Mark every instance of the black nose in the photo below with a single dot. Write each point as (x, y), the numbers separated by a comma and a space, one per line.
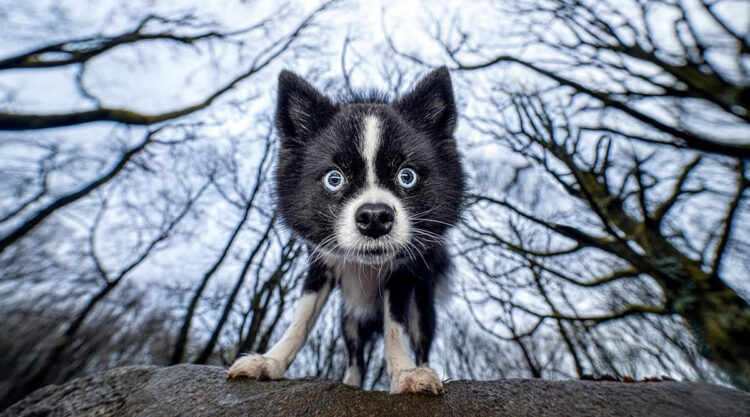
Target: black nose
(374, 220)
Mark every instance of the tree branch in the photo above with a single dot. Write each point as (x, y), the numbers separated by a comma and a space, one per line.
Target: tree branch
(63, 201)
(726, 230)
(12, 121)
(689, 139)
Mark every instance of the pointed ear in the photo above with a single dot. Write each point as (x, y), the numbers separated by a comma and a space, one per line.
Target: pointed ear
(300, 109)
(431, 105)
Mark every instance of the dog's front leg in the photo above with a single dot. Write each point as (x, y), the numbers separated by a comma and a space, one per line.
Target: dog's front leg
(405, 376)
(274, 363)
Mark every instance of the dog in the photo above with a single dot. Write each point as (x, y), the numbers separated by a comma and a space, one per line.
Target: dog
(372, 186)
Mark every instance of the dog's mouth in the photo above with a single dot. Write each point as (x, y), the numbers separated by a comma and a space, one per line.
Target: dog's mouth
(373, 252)
(376, 256)
(373, 255)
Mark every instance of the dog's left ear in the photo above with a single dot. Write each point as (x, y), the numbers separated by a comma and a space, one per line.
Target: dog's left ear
(431, 106)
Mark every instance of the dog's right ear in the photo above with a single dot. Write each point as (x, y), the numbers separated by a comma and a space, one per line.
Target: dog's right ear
(300, 109)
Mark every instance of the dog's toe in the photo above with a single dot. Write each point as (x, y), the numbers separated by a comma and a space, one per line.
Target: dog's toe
(256, 366)
(421, 380)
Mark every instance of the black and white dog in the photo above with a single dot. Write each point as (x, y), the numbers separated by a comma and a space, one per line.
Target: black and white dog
(372, 186)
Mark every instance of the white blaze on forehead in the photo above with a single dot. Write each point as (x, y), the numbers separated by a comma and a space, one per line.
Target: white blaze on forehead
(369, 146)
(348, 236)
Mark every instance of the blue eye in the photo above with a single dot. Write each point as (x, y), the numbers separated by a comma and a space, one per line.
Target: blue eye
(407, 178)
(333, 180)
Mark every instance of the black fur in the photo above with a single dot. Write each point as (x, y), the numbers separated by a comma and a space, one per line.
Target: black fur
(318, 135)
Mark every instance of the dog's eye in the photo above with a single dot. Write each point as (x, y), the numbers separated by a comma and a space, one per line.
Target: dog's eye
(407, 178)
(333, 180)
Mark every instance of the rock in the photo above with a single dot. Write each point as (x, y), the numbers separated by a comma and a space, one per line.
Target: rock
(191, 390)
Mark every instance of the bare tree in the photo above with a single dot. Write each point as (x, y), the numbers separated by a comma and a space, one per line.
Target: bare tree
(78, 52)
(90, 210)
(247, 205)
(672, 81)
(636, 102)
(633, 226)
(39, 369)
(120, 333)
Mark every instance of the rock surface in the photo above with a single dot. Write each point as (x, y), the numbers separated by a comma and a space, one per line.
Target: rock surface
(190, 390)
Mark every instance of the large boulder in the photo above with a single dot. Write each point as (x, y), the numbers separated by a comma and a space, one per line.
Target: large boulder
(191, 390)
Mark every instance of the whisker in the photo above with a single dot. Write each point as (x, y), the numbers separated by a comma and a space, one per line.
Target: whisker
(435, 221)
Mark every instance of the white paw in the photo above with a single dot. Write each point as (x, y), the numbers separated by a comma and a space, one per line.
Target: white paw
(421, 380)
(353, 377)
(256, 367)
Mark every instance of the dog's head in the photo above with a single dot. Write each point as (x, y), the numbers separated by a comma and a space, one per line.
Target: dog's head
(367, 180)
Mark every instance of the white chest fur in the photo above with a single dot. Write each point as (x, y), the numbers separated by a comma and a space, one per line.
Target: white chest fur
(361, 287)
